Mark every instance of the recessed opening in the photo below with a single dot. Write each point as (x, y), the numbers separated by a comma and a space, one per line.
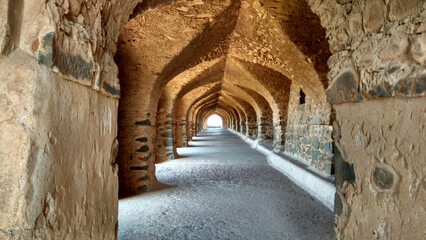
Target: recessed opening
(214, 121)
(302, 97)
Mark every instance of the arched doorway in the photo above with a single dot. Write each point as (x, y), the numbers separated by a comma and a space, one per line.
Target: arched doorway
(214, 121)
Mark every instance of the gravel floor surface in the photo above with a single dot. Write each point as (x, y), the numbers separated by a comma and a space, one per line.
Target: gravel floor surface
(222, 189)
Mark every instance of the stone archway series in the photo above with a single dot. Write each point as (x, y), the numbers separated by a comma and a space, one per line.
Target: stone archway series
(95, 92)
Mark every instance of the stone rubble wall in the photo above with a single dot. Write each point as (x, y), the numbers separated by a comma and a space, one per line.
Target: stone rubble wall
(309, 132)
(251, 127)
(265, 129)
(378, 48)
(379, 52)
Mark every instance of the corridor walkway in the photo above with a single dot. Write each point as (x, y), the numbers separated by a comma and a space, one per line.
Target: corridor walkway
(222, 189)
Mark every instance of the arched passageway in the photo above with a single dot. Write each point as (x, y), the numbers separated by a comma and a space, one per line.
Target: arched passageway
(222, 189)
(95, 93)
(214, 121)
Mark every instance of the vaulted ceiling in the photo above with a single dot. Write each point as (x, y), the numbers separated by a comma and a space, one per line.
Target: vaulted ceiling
(222, 54)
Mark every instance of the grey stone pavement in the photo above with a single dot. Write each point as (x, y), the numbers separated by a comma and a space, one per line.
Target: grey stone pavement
(222, 189)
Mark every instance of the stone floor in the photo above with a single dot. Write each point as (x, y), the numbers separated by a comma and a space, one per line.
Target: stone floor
(222, 189)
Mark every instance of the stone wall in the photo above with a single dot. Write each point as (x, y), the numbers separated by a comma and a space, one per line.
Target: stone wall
(379, 52)
(251, 127)
(378, 48)
(59, 118)
(265, 129)
(381, 185)
(60, 94)
(59, 179)
(308, 133)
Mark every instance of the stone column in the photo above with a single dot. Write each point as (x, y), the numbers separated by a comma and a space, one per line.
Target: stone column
(58, 147)
(243, 126)
(164, 137)
(135, 152)
(279, 134)
(261, 128)
(251, 127)
(180, 134)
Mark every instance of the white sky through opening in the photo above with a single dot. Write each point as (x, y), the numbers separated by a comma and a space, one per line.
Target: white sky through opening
(214, 121)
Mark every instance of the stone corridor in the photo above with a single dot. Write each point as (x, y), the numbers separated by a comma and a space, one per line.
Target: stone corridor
(220, 188)
(99, 100)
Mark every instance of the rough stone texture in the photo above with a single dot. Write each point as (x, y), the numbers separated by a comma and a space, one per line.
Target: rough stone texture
(135, 153)
(10, 25)
(16, 103)
(374, 15)
(377, 53)
(61, 185)
(388, 161)
(309, 131)
(388, 58)
(84, 36)
(344, 87)
(399, 9)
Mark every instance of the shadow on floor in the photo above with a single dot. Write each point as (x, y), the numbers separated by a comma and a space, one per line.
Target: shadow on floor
(156, 187)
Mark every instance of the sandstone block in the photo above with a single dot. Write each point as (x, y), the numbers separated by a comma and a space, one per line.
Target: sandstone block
(418, 49)
(393, 48)
(374, 15)
(355, 24)
(400, 9)
(5, 38)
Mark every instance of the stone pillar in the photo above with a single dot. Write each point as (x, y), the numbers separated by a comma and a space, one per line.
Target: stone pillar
(58, 146)
(265, 129)
(164, 137)
(193, 129)
(199, 127)
(379, 159)
(251, 127)
(261, 128)
(184, 134)
(243, 126)
(188, 131)
(379, 138)
(279, 134)
(180, 133)
(135, 152)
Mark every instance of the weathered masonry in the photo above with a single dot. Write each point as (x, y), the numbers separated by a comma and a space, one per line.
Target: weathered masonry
(94, 93)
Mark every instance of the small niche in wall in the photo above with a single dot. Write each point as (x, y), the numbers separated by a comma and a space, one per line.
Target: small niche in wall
(302, 97)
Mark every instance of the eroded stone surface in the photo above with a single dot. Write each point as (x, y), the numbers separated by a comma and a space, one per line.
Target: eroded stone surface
(59, 180)
(382, 185)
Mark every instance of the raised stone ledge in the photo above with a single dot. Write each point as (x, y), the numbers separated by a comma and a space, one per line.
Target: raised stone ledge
(311, 180)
